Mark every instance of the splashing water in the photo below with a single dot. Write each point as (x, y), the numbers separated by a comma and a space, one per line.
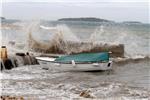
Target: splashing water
(134, 37)
(99, 31)
(135, 44)
(50, 37)
(64, 41)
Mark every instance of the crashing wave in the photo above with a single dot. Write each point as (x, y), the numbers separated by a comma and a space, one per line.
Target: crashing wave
(67, 43)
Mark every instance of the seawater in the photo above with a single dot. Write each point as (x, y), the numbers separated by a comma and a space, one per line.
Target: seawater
(126, 81)
(135, 37)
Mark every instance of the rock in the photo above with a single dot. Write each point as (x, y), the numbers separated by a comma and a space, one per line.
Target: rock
(19, 59)
(86, 94)
(8, 64)
(45, 68)
(12, 98)
(20, 54)
(26, 59)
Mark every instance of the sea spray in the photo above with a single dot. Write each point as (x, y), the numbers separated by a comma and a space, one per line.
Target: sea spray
(56, 34)
(136, 43)
(98, 31)
(57, 40)
(64, 41)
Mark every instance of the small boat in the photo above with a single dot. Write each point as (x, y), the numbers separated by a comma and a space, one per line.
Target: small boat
(77, 62)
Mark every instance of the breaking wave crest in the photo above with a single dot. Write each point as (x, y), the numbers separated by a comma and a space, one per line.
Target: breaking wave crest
(61, 38)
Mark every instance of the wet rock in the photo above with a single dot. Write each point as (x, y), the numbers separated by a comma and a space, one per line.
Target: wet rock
(26, 59)
(45, 68)
(11, 98)
(86, 94)
(19, 59)
(20, 54)
(6, 64)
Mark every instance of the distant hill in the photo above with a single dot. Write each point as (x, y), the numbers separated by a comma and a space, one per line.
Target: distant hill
(8, 21)
(131, 22)
(2, 18)
(90, 19)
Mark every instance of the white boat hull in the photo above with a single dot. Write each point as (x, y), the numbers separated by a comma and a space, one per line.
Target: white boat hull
(49, 63)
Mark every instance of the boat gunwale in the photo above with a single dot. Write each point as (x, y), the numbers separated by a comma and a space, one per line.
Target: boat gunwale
(75, 62)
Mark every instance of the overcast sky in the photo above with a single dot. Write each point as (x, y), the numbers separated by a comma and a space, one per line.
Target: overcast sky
(117, 10)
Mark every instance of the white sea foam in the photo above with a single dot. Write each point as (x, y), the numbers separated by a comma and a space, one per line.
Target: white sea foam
(33, 81)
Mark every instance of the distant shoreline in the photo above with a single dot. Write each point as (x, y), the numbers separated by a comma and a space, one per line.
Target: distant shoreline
(84, 19)
(89, 19)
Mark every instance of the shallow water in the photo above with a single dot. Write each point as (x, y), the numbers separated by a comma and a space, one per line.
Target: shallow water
(126, 81)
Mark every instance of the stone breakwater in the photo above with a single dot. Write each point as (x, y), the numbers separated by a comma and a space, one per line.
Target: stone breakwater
(19, 59)
(60, 46)
(82, 47)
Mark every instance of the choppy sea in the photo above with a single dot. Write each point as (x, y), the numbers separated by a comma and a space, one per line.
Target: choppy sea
(129, 80)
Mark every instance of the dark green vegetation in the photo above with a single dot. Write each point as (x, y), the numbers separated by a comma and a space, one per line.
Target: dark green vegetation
(90, 19)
